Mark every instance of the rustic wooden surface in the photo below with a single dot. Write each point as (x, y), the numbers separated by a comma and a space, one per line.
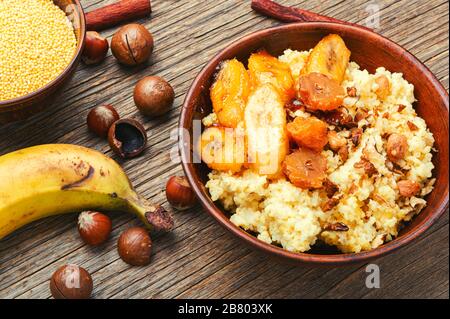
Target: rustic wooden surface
(199, 259)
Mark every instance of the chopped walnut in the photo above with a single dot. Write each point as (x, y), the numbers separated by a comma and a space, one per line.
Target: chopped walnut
(351, 91)
(356, 136)
(368, 167)
(330, 188)
(412, 126)
(379, 199)
(335, 227)
(408, 188)
(366, 210)
(343, 153)
(353, 188)
(361, 115)
(335, 141)
(339, 117)
(395, 168)
(329, 204)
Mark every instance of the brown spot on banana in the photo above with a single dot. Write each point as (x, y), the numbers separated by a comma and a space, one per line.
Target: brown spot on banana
(79, 182)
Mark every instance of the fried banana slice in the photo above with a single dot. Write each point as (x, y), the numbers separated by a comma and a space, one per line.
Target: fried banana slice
(222, 149)
(265, 127)
(329, 57)
(230, 92)
(264, 68)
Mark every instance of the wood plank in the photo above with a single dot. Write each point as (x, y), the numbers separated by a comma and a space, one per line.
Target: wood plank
(200, 259)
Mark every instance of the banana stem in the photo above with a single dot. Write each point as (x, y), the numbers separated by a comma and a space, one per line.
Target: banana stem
(153, 216)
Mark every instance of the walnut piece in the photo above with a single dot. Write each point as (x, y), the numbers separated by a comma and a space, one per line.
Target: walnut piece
(408, 188)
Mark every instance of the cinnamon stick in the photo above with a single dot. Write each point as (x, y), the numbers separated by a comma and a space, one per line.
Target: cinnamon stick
(117, 13)
(290, 14)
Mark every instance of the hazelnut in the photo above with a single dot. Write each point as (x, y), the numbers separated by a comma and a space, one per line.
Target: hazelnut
(135, 246)
(179, 193)
(127, 138)
(396, 147)
(95, 48)
(335, 141)
(71, 282)
(94, 227)
(153, 96)
(100, 119)
(132, 44)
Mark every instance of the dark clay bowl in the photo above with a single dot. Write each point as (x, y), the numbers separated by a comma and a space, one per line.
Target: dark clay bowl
(25, 106)
(370, 51)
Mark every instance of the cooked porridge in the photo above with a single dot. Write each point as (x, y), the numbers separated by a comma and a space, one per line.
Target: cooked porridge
(308, 148)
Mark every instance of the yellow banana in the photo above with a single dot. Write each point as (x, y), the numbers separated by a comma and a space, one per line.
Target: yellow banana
(53, 179)
(265, 125)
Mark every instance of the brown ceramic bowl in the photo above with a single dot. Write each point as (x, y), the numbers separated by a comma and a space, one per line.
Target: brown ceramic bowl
(25, 106)
(370, 51)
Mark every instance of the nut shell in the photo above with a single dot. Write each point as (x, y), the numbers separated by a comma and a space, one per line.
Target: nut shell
(179, 193)
(153, 96)
(135, 246)
(95, 48)
(127, 138)
(100, 119)
(94, 227)
(132, 44)
(71, 282)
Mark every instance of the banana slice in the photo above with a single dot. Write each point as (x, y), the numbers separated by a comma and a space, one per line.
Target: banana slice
(265, 125)
(222, 149)
(264, 68)
(230, 92)
(330, 57)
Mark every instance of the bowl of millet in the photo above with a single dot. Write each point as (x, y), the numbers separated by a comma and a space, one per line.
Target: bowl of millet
(40, 47)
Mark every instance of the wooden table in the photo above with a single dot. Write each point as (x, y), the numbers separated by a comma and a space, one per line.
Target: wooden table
(200, 259)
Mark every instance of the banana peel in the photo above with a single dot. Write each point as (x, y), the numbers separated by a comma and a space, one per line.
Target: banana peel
(53, 179)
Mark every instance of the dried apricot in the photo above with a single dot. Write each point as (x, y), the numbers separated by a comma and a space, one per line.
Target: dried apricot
(230, 92)
(329, 57)
(319, 92)
(305, 168)
(264, 68)
(308, 132)
(222, 149)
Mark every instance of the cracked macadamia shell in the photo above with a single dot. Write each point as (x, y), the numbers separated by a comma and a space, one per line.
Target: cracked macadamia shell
(132, 44)
(127, 138)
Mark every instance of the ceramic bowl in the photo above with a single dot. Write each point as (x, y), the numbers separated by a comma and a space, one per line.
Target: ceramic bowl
(369, 50)
(25, 106)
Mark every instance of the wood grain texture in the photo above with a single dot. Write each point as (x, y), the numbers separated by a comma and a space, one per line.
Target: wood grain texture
(199, 259)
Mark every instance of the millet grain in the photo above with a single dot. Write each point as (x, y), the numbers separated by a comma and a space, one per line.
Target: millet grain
(37, 42)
